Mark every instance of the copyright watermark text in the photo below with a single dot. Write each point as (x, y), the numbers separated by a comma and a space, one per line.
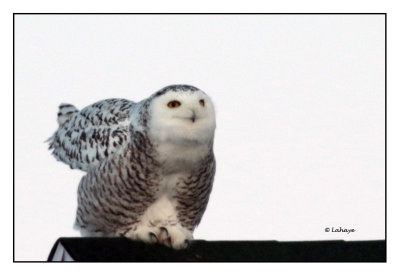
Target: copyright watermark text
(339, 230)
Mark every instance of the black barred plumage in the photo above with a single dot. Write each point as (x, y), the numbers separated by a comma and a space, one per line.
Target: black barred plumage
(121, 192)
(84, 139)
(149, 168)
(193, 193)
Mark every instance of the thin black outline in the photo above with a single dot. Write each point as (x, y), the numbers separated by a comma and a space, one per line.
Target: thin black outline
(14, 138)
(14, 14)
(386, 131)
(201, 13)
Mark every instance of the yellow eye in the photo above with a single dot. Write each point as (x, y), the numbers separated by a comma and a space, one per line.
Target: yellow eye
(202, 103)
(173, 104)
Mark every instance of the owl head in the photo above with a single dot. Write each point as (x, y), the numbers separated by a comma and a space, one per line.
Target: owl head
(181, 114)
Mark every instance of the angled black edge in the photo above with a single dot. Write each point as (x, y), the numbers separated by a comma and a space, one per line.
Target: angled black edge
(124, 250)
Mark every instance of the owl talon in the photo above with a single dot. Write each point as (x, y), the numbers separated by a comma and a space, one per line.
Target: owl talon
(169, 242)
(153, 237)
(165, 238)
(174, 236)
(186, 243)
(164, 232)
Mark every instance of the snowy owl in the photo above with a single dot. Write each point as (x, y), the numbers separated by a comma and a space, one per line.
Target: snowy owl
(149, 165)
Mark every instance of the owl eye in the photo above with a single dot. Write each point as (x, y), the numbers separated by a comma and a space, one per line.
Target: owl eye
(202, 103)
(173, 104)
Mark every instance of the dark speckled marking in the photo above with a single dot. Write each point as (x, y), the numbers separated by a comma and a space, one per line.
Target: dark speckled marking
(176, 88)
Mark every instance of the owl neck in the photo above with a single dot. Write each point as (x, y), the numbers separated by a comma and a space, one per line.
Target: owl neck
(175, 158)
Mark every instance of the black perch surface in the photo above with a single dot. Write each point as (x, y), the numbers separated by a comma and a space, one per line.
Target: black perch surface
(124, 250)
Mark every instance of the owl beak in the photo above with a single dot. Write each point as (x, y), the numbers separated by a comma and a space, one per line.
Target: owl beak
(193, 118)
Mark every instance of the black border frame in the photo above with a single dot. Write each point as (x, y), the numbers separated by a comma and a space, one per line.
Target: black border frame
(14, 15)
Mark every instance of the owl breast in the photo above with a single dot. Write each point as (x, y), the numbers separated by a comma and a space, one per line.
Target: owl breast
(169, 185)
(177, 164)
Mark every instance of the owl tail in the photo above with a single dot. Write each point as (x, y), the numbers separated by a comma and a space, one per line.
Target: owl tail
(65, 112)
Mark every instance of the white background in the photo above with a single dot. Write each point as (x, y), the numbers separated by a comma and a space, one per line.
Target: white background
(300, 116)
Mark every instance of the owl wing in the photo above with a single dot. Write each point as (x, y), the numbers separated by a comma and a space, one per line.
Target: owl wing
(193, 196)
(87, 137)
